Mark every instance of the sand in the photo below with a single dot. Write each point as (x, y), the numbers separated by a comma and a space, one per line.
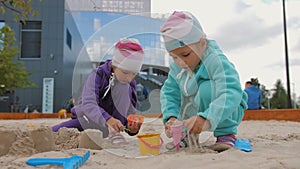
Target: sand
(275, 144)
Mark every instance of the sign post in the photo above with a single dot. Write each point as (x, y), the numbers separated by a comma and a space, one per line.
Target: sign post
(48, 95)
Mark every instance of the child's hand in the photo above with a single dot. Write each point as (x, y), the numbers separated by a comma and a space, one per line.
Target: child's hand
(115, 124)
(167, 126)
(196, 124)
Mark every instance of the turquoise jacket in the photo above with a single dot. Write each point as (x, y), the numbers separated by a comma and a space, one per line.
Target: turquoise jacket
(181, 93)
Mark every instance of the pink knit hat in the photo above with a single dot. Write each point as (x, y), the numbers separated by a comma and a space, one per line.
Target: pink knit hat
(128, 55)
(181, 29)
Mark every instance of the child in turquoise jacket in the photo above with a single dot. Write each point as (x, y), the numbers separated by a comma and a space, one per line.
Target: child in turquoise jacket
(203, 88)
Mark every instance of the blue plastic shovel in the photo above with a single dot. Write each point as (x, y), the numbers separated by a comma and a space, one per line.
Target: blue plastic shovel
(73, 162)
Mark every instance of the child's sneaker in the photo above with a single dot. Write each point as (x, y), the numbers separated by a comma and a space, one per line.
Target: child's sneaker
(224, 143)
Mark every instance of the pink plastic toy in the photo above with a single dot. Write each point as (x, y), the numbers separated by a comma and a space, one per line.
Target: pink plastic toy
(176, 130)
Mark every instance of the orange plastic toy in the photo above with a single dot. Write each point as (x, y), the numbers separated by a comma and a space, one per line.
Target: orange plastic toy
(135, 119)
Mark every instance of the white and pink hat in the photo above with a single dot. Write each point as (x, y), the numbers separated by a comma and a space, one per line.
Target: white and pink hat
(128, 55)
(181, 29)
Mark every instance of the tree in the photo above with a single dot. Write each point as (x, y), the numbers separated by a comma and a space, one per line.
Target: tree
(13, 74)
(279, 100)
(255, 82)
(20, 8)
(265, 94)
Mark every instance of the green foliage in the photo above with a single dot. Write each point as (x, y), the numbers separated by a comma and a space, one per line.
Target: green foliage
(264, 93)
(255, 82)
(13, 74)
(278, 95)
(21, 9)
(279, 99)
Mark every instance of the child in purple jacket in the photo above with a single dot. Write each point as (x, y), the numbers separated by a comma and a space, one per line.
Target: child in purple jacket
(109, 94)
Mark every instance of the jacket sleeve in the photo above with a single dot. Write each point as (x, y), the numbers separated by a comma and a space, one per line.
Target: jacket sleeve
(227, 95)
(170, 97)
(133, 98)
(90, 98)
(132, 107)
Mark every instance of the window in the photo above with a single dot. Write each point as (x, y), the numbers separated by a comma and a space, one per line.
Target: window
(69, 39)
(31, 33)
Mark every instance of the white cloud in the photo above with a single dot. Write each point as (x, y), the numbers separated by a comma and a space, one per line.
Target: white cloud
(247, 32)
(292, 62)
(297, 46)
(251, 34)
(241, 6)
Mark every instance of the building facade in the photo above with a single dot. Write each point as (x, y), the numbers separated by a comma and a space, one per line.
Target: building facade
(69, 38)
(139, 7)
(49, 46)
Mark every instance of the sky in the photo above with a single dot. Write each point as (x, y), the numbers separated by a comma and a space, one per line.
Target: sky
(250, 32)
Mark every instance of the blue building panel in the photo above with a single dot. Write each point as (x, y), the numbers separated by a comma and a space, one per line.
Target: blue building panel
(72, 44)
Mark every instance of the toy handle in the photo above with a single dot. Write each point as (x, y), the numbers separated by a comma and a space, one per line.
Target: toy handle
(151, 146)
(45, 161)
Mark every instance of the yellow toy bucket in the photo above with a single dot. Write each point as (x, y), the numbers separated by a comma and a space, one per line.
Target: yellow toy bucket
(149, 144)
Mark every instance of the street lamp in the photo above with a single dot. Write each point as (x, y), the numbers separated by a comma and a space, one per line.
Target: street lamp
(289, 102)
(269, 97)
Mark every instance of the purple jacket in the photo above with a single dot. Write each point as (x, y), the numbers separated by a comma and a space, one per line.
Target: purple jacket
(99, 108)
